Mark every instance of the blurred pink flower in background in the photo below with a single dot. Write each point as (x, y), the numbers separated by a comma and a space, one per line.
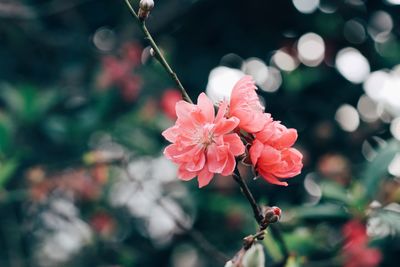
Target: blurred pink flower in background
(130, 87)
(203, 144)
(272, 155)
(103, 223)
(355, 250)
(119, 71)
(132, 52)
(113, 71)
(168, 102)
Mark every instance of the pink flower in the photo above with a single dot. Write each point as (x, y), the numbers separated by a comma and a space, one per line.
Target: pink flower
(272, 155)
(355, 250)
(130, 87)
(168, 102)
(202, 143)
(245, 105)
(133, 53)
(114, 69)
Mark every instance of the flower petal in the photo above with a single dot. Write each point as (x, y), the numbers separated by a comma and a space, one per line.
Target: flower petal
(245, 85)
(236, 146)
(185, 175)
(197, 162)
(207, 107)
(225, 126)
(222, 109)
(204, 177)
(271, 179)
(216, 158)
(230, 165)
(287, 139)
(171, 133)
(255, 151)
(183, 110)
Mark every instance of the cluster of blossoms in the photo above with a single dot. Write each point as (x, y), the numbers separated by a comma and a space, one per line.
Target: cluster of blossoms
(205, 143)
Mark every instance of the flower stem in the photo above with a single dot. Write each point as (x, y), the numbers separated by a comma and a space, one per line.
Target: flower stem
(158, 55)
(247, 193)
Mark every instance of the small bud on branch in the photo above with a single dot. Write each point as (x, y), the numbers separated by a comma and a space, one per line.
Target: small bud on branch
(152, 53)
(145, 6)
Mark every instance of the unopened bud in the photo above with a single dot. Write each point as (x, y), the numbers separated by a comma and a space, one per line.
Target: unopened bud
(145, 6)
(271, 215)
(277, 211)
(152, 52)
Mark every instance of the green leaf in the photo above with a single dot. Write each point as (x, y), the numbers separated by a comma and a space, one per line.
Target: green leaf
(6, 132)
(300, 241)
(320, 212)
(293, 261)
(377, 169)
(7, 169)
(334, 191)
(28, 103)
(272, 248)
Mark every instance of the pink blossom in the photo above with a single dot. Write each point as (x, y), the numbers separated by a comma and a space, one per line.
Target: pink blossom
(203, 144)
(133, 53)
(272, 155)
(130, 87)
(356, 251)
(245, 105)
(116, 68)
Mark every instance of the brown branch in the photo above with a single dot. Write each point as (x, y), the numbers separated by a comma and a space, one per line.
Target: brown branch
(247, 193)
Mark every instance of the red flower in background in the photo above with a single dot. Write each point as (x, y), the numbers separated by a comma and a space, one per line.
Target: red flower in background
(103, 223)
(168, 102)
(119, 72)
(355, 250)
(132, 52)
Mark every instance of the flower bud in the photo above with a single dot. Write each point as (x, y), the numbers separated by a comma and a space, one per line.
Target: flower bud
(277, 211)
(145, 6)
(152, 52)
(271, 215)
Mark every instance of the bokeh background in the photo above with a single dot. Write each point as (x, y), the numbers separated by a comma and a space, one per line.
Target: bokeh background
(82, 104)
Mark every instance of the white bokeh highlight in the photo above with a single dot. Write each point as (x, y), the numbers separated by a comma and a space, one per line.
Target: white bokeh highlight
(352, 65)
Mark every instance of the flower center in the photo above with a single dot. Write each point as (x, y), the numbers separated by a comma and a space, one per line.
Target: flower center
(206, 134)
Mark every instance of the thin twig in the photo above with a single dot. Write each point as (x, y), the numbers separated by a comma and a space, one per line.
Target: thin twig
(247, 193)
(158, 55)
